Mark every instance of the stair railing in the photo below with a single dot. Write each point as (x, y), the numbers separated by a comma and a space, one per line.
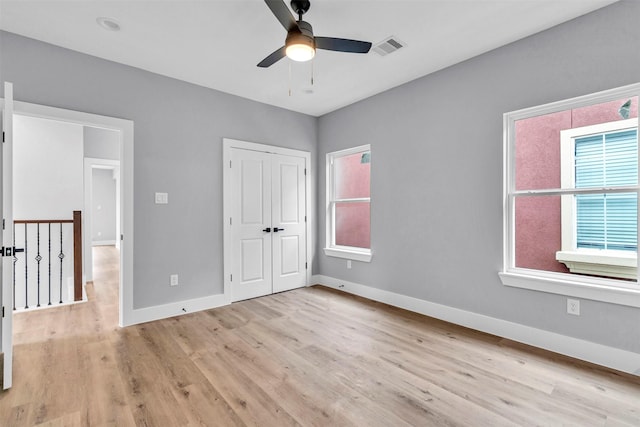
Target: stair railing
(41, 269)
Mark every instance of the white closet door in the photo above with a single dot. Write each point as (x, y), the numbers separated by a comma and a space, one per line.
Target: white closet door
(251, 224)
(288, 220)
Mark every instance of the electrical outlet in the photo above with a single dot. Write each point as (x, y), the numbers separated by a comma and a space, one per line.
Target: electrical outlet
(174, 280)
(162, 198)
(573, 307)
(348, 263)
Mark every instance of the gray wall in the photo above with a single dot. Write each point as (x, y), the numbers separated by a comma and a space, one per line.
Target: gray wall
(437, 172)
(178, 149)
(101, 143)
(436, 168)
(103, 209)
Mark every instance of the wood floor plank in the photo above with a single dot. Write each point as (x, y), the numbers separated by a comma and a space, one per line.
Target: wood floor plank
(203, 405)
(107, 391)
(308, 357)
(253, 404)
(349, 362)
(148, 390)
(345, 406)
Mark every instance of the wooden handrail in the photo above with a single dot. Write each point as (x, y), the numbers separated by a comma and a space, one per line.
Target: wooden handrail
(43, 221)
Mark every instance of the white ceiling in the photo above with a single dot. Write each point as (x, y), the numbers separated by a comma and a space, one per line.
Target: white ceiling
(217, 43)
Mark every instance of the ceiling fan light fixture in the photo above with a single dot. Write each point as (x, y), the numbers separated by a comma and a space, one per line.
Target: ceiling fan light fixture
(300, 47)
(301, 44)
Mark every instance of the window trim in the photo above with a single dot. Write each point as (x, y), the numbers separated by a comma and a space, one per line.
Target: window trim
(331, 249)
(594, 288)
(621, 264)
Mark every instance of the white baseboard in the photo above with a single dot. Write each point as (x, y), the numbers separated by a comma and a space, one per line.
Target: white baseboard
(621, 360)
(103, 243)
(148, 314)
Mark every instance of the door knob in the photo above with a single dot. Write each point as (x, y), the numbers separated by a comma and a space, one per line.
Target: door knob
(267, 230)
(276, 229)
(10, 251)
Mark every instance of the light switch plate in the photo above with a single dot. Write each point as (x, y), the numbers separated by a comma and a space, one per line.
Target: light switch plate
(162, 198)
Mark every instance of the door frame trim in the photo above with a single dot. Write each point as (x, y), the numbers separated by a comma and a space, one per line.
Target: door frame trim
(125, 127)
(227, 145)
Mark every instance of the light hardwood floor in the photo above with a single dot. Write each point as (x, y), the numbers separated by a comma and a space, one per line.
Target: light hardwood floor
(312, 357)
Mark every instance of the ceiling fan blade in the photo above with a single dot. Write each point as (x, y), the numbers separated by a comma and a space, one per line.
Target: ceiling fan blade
(342, 45)
(283, 14)
(273, 58)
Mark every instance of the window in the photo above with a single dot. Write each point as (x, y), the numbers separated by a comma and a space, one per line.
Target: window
(349, 204)
(571, 195)
(599, 231)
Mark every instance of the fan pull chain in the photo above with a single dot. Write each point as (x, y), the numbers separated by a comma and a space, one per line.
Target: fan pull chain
(313, 61)
(289, 78)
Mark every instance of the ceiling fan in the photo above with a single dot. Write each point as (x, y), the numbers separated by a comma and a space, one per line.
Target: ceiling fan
(301, 44)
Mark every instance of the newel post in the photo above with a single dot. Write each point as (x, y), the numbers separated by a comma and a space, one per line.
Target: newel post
(77, 255)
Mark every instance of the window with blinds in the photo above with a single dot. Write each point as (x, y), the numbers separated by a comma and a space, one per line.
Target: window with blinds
(571, 197)
(607, 220)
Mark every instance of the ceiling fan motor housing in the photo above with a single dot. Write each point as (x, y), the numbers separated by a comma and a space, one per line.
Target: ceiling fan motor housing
(304, 36)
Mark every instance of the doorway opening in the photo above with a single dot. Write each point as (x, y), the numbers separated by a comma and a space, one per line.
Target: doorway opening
(102, 146)
(101, 207)
(66, 180)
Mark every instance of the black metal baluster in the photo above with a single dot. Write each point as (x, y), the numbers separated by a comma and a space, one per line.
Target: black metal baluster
(26, 270)
(38, 259)
(49, 264)
(61, 256)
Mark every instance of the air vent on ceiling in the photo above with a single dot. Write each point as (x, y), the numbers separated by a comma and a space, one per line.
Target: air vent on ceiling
(387, 46)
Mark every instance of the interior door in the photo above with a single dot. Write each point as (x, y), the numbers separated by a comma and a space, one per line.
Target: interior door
(251, 224)
(7, 236)
(268, 226)
(288, 220)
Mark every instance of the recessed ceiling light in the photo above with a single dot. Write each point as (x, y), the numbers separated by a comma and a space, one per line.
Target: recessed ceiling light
(108, 24)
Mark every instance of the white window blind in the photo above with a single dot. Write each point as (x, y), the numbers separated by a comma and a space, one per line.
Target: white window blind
(607, 221)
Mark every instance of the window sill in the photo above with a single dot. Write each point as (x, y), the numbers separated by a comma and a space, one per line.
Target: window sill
(620, 264)
(597, 289)
(353, 254)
